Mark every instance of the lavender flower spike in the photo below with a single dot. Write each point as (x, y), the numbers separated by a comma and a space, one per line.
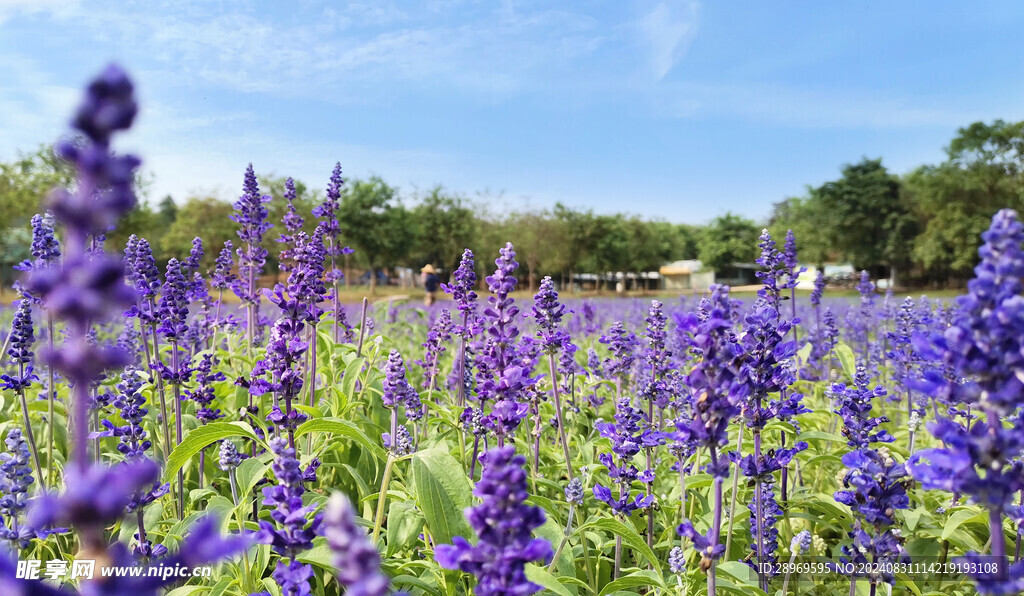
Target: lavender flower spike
(984, 347)
(504, 523)
(356, 558)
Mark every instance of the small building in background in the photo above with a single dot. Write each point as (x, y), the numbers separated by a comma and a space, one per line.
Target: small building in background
(686, 275)
(738, 274)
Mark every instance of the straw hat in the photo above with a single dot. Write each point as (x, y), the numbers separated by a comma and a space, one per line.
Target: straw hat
(428, 268)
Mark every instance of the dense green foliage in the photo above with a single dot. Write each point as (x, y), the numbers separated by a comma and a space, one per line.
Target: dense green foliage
(920, 227)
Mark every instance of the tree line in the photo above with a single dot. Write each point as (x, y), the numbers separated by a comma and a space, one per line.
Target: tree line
(920, 228)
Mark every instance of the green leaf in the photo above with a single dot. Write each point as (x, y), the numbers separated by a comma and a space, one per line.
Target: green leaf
(443, 491)
(637, 579)
(817, 436)
(249, 472)
(337, 426)
(630, 537)
(185, 590)
(739, 571)
(846, 359)
(956, 520)
(912, 517)
(541, 577)
(803, 353)
(553, 532)
(196, 440)
(404, 525)
(348, 381)
(409, 580)
(322, 556)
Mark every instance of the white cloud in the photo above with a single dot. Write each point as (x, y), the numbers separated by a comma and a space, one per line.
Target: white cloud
(346, 52)
(11, 8)
(667, 31)
(805, 106)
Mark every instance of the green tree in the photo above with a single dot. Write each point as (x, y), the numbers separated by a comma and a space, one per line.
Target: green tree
(868, 220)
(144, 223)
(955, 201)
(167, 209)
(377, 224)
(446, 226)
(206, 217)
(573, 241)
(727, 240)
(611, 253)
(807, 220)
(26, 181)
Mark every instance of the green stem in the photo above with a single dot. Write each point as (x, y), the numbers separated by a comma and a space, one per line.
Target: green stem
(51, 397)
(565, 539)
(558, 414)
(30, 436)
(382, 498)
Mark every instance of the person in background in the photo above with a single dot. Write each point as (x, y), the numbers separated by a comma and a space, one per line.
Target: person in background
(430, 283)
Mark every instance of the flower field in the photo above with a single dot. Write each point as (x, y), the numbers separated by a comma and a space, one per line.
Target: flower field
(777, 443)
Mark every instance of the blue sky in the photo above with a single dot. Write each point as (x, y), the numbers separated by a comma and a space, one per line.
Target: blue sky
(671, 109)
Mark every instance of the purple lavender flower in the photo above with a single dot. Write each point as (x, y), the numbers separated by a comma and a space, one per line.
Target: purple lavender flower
(15, 480)
(327, 211)
(293, 223)
(19, 349)
(228, 458)
(502, 376)
(819, 288)
(858, 320)
(104, 191)
(789, 259)
(173, 303)
(203, 394)
(222, 277)
(628, 437)
(983, 347)
(440, 333)
(191, 263)
(854, 405)
(45, 248)
(283, 361)
(293, 532)
(86, 288)
(356, 558)
(574, 492)
(718, 386)
(504, 523)
(878, 486)
(133, 441)
(465, 301)
(623, 347)
(399, 393)
(251, 215)
(547, 312)
(462, 290)
(83, 291)
(676, 561)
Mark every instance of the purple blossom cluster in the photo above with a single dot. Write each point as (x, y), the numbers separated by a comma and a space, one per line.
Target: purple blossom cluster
(504, 523)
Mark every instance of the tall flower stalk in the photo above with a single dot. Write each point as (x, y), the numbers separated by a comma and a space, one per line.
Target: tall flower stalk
(548, 312)
(983, 347)
(292, 531)
(21, 354)
(327, 212)
(174, 327)
(46, 253)
(251, 216)
(719, 387)
(502, 377)
(397, 394)
(505, 524)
